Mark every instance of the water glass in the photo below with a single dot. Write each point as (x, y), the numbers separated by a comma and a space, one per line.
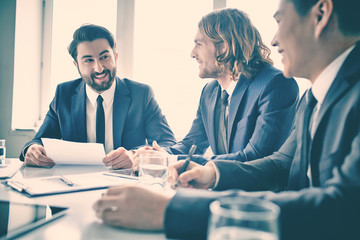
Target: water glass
(243, 218)
(2, 150)
(153, 169)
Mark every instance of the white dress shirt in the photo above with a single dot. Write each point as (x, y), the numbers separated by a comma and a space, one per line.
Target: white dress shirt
(91, 106)
(323, 82)
(230, 89)
(320, 88)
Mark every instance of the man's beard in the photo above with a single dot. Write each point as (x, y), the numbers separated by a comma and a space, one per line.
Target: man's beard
(104, 85)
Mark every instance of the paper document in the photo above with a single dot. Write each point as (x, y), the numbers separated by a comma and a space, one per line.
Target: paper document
(66, 152)
(69, 183)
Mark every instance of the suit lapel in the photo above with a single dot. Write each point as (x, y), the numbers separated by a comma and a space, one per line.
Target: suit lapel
(211, 117)
(78, 113)
(121, 106)
(236, 98)
(341, 83)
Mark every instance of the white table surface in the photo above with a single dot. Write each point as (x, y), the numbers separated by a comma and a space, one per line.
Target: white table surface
(80, 221)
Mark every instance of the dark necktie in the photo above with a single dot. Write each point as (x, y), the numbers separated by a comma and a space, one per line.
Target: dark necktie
(307, 139)
(100, 121)
(222, 129)
(300, 171)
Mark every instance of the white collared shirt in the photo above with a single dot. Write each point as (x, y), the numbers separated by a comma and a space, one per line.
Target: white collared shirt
(230, 89)
(323, 82)
(91, 105)
(321, 87)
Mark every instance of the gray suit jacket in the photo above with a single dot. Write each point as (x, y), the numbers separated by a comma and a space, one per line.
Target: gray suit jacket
(261, 117)
(328, 210)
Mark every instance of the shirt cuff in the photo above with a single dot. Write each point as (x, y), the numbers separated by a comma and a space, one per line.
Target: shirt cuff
(217, 174)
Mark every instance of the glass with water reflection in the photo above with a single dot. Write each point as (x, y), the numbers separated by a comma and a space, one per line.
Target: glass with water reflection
(243, 218)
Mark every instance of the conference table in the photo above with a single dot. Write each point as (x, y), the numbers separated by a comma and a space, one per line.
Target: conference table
(80, 222)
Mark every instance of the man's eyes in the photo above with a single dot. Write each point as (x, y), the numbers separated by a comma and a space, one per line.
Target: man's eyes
(104, 57)
(88, 60)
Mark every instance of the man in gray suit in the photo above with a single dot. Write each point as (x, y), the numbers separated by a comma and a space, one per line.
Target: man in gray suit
(315, 176)
(247, 111)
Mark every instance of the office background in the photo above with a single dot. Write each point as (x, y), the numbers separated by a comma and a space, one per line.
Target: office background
(142, 57)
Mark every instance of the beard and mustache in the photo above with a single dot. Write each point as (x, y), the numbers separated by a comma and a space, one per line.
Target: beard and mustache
(90, 80)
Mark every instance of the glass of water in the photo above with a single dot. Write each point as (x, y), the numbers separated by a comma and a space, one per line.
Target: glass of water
(153, 169)
(2, 150)
(243, 218)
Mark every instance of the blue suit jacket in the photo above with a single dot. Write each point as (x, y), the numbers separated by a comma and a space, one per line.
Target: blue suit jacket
(261, 115)
(330, 209)
(137, 118)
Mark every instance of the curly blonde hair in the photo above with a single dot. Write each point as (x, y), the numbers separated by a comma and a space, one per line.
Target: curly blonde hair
(238, 43)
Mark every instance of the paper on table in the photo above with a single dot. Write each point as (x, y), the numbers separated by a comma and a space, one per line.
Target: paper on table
(66, 152)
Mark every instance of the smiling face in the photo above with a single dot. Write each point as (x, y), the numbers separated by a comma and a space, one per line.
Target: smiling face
(96, 63)
(204, 52)
(294, 39)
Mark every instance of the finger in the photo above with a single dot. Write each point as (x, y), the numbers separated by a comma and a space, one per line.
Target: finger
(142, 150)
(107, 202)
(115, 190)
(173, 173)
(112, 217)
(114, 154)
(36, 158)
(156, 146)
(121, 163)
(190, 175)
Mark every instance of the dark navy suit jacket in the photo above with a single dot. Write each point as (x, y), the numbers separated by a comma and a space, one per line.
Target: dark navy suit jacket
(329, 209)
(137, 118)
(261, 115)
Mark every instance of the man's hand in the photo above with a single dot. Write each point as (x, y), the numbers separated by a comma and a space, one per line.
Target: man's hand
(195, 176)
(36, 156)
(155, 149)
(119, 158)
(132, 207)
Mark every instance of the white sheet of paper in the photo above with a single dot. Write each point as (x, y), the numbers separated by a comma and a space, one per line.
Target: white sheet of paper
(66, 152)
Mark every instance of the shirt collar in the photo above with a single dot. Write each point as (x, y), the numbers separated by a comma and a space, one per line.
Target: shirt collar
(230, 89)
(327, 76)
(107, 95)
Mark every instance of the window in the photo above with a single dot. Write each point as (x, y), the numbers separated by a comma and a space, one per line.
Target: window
(163, 40)
(27, 72)
(41, 57)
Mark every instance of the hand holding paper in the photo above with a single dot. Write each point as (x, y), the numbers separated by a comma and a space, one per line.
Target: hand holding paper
(66, 152)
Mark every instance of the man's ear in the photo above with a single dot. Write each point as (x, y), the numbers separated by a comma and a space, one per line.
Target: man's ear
(322, 11)
(75, 63)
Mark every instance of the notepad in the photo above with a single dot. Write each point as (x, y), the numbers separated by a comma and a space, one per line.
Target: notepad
(79, 182)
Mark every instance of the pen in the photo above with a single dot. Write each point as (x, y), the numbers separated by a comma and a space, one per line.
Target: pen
(66, 181)
(121, 176)
(187, 161)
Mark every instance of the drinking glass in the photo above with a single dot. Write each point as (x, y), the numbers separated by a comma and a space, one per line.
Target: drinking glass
(153, 169)
(2, 150)
(243, 218)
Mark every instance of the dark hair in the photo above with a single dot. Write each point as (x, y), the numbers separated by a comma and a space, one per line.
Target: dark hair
(89, 32)
(347, 12)
(238, 43)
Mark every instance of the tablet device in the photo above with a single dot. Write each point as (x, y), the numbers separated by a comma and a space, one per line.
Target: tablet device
(19, 218)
